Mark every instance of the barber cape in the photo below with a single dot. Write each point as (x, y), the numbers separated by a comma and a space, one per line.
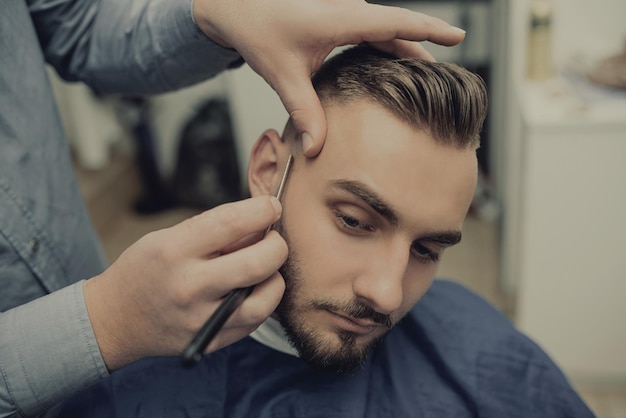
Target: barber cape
(453, 355)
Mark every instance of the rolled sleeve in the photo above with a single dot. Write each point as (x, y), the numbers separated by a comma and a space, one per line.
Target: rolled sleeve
(136, 47)
(48, 351)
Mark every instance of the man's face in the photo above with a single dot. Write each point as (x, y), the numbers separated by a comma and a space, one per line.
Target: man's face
(366, 222)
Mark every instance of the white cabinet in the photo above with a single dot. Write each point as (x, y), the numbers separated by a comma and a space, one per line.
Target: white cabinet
(566, 236)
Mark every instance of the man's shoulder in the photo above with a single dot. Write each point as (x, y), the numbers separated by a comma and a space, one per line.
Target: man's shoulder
(460, 342)
(454, 326)
(454, 305)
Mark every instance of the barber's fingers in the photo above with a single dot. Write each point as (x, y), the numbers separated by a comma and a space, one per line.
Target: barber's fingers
(243, 242)
(206, 234)
(378, 23)
(262, 302)
(246, 267)
(404, 49)
(253, 311)
(391, 29)
(301, 102)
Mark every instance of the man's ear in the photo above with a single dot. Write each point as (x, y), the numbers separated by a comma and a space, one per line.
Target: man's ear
(267, 160)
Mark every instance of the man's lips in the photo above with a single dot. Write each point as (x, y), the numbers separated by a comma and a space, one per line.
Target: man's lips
(356, 325)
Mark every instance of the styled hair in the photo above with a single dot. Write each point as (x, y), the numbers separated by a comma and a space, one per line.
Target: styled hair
(446, 100)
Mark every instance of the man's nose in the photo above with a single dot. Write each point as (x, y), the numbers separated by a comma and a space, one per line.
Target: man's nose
(381, 282)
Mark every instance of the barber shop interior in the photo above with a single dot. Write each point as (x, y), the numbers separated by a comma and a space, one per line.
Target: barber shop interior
(543, 239)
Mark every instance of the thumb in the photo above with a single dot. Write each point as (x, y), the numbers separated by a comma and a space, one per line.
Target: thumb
(306, 112)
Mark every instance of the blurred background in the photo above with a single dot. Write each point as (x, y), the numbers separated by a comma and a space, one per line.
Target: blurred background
(544, 240)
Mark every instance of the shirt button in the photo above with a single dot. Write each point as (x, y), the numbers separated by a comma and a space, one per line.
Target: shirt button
(34, 246)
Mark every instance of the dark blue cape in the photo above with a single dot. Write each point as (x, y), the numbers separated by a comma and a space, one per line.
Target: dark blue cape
(453, 355)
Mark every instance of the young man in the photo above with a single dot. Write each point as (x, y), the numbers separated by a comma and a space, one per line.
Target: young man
(363, 330)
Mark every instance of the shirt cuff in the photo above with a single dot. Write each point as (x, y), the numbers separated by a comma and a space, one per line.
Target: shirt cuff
(190, 48)
(48, 351)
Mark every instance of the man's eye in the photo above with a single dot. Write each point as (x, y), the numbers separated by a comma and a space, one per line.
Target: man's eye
(424, 253)
(351, 222)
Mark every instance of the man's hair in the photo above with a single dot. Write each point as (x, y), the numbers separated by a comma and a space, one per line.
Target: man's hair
(446, 100)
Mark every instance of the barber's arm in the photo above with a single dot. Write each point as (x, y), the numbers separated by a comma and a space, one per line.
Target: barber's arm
(47, 352)
(131, 47)
(150, 302)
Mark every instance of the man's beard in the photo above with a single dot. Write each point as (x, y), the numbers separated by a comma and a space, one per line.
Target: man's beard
(309, 342)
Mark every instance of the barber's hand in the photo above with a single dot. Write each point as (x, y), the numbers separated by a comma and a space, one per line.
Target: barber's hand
(285, 41)
(160, 291)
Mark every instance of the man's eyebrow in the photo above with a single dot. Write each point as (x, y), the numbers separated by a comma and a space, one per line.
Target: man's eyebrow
(367, 195)
(447, 239)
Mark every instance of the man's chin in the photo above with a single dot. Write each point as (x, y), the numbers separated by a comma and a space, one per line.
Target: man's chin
(339, 353)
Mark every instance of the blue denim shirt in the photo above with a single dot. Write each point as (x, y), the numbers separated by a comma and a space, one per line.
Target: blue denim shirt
(47, 242)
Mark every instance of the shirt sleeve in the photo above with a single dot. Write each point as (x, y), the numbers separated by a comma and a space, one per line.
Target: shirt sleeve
(48, 351)
(130, 47)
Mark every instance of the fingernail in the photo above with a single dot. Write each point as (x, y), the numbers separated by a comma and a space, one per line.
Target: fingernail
(307, 142)
(459, 30)
(276, 204)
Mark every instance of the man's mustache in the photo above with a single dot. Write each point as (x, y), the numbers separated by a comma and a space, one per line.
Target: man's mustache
(358, 310)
